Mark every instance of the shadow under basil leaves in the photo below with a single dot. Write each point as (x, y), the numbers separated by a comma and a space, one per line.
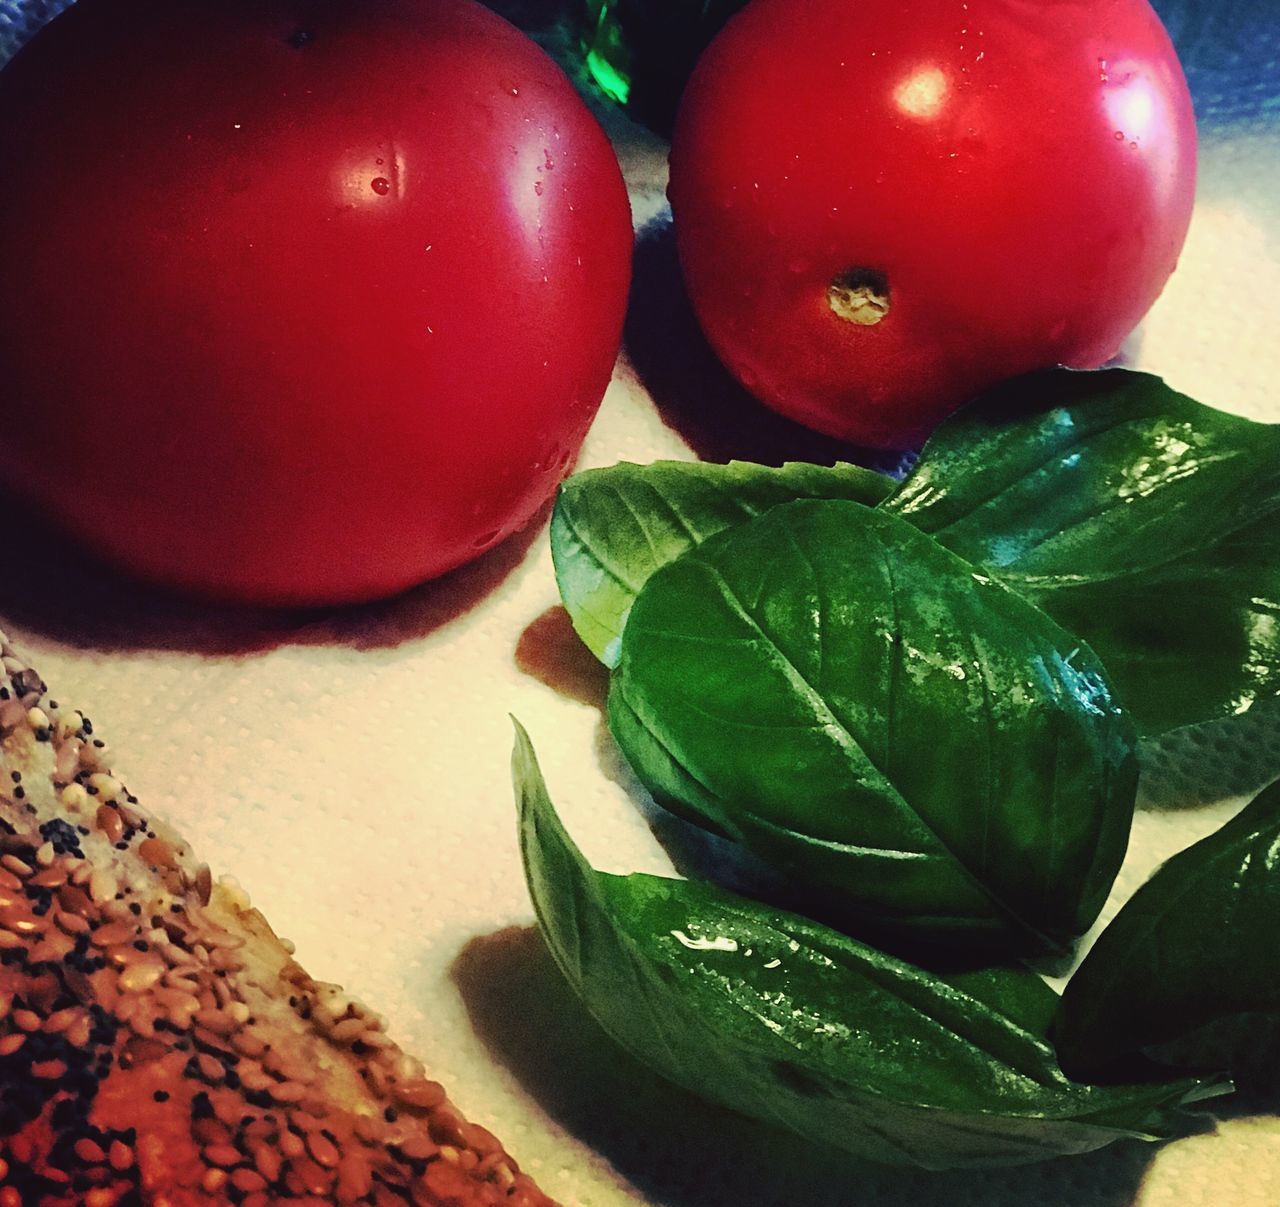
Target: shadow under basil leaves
(550, 651)
(1200, 764)
(682, 1152)
(54, 587)
(694, 393)
(1248, 1045)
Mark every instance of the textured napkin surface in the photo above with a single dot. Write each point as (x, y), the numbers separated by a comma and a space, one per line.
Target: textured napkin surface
(351, 769)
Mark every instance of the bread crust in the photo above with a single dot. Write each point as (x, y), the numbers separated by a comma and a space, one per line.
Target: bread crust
(158, 1042)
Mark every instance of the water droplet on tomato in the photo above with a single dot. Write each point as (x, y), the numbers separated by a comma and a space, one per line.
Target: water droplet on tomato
(378, 162)
(1119, 136)
(548, 460)
(537, 188)
(380, 185)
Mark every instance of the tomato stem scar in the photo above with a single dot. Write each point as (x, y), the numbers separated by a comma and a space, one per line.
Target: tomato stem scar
(859, 295)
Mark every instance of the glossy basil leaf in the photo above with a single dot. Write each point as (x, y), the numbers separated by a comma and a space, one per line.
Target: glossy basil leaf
(614, 527)
(1195, 945)
(885, 726)
(1138, 518)
(790, 1022)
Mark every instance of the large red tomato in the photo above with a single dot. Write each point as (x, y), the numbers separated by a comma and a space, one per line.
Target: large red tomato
(884, 206)
(304, 300)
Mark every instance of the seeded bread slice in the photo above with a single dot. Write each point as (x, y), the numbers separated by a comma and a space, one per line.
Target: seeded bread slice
(159, 1044)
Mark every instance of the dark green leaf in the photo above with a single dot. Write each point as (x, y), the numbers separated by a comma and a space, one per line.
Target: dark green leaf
(795, 1024)
(1193, 946)
(614, 527)
(1145, 522)
(844, 697)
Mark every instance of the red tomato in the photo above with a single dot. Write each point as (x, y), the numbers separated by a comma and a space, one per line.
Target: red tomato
(304, 301)
(884, 207)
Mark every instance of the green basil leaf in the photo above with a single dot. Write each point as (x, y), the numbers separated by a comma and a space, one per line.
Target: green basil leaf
(856, 705)
(614, 527)
(795, 1024)
(1145, 522)
(1195, 945)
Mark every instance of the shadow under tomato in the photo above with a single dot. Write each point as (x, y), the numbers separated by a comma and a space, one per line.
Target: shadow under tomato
(694, 392)
(678, 1150)
(538, 16)
(53, 587)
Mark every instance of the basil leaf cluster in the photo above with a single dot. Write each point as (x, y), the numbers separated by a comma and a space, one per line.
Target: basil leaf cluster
(793, 1023)
(920, 704)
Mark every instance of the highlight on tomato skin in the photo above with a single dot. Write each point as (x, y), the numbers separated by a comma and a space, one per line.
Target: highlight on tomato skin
(882, 211)
(310, 302)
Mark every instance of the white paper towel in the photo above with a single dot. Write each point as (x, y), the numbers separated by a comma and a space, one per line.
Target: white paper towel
(351, 769)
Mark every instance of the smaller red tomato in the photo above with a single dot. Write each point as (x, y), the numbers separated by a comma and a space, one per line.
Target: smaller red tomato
(883, 208)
